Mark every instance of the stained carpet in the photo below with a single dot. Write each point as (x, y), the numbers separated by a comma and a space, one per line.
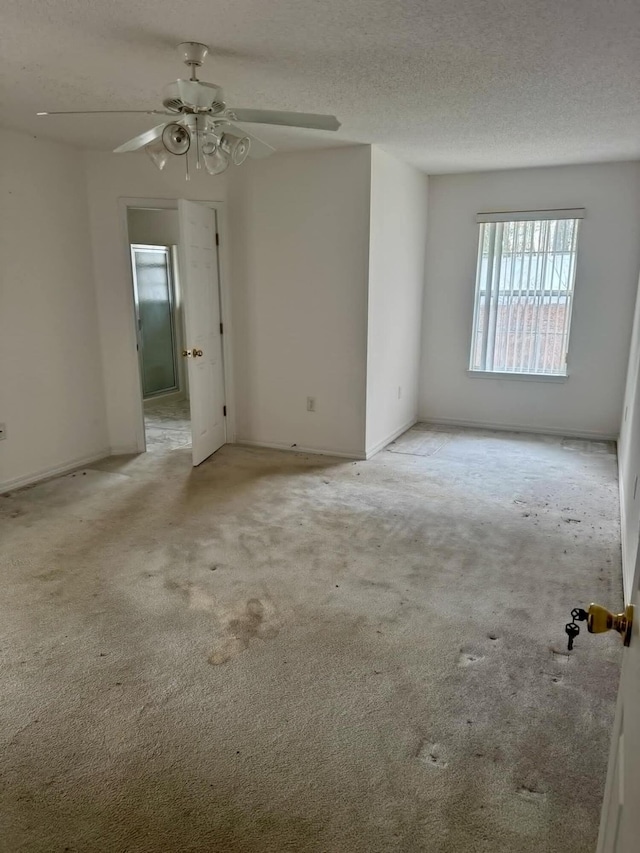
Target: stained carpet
(280, 652)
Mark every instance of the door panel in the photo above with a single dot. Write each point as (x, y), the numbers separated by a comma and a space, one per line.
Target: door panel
(201, 291)
(620, 823)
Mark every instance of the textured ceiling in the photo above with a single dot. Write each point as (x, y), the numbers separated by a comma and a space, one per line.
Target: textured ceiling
(449, 85)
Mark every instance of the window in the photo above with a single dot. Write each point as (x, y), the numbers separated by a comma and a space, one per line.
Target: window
(524, 291)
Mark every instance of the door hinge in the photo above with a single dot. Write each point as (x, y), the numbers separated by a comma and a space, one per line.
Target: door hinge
(217, 239)
(224, 411)
(221, 329)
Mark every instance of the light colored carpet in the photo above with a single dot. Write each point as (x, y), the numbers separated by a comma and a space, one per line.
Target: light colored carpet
(427, 439)
(279, 652)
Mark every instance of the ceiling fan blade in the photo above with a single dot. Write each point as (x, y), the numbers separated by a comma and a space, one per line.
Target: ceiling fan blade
(103, 112)
(286, 119)
(141, 140)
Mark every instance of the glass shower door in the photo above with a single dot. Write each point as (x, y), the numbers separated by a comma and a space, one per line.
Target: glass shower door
(154, 295)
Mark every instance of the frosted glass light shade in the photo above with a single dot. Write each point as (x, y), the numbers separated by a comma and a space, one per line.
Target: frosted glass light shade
(214, 162)
(237, 147)
(158, 153)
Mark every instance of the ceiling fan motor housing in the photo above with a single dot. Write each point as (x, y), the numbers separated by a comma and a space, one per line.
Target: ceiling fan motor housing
(190, 95)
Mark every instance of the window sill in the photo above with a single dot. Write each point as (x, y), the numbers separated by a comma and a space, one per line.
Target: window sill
(527, 377)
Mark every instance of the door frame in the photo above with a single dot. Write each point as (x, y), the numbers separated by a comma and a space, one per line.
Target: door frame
(225, 305)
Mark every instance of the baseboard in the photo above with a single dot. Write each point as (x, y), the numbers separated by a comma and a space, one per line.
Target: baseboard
(320, 451)
(454, 422)
(171, 397)
(391, 437)
(55, 471)
(125, 450)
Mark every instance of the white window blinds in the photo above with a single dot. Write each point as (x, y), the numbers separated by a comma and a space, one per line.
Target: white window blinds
(524, 291)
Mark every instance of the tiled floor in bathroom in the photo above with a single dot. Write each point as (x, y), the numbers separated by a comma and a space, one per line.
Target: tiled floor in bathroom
(167, 424)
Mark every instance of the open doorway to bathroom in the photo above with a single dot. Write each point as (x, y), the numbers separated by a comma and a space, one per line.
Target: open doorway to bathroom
(154, 246)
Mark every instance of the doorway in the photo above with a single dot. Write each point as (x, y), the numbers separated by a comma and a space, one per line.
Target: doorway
(184, 362)
(154, 244)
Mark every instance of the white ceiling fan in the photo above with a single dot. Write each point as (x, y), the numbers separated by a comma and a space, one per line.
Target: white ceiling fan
(200, 120)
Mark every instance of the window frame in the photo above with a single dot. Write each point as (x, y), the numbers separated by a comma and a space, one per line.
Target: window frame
(519, 216)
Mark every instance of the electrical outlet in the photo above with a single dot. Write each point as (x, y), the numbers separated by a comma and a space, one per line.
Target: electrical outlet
(3, 431)
(311, 404)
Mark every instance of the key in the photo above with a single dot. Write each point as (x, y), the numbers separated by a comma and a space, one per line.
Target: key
(572, 630)
(579, 615)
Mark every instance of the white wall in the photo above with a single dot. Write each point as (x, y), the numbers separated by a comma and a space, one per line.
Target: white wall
(111, 177)
(298, 235)
(300, 244)
(398, 239)
(154, 227)
(590, 401)
(51, 394)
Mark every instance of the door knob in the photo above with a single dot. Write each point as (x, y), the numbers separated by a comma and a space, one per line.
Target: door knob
(599, 620)
(187, 353)
(197, 352)
(191, 353)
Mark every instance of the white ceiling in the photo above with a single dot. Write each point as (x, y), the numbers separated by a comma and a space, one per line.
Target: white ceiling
(449, 85)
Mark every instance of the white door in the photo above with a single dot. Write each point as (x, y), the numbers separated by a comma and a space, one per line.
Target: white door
(203, 345)
(620, 821)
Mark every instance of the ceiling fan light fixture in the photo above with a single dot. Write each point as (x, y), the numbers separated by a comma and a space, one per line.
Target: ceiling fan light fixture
(214, 159)
(209, 143)
(198, 114)
(157, 153)
(236, 147)
(176, 138)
